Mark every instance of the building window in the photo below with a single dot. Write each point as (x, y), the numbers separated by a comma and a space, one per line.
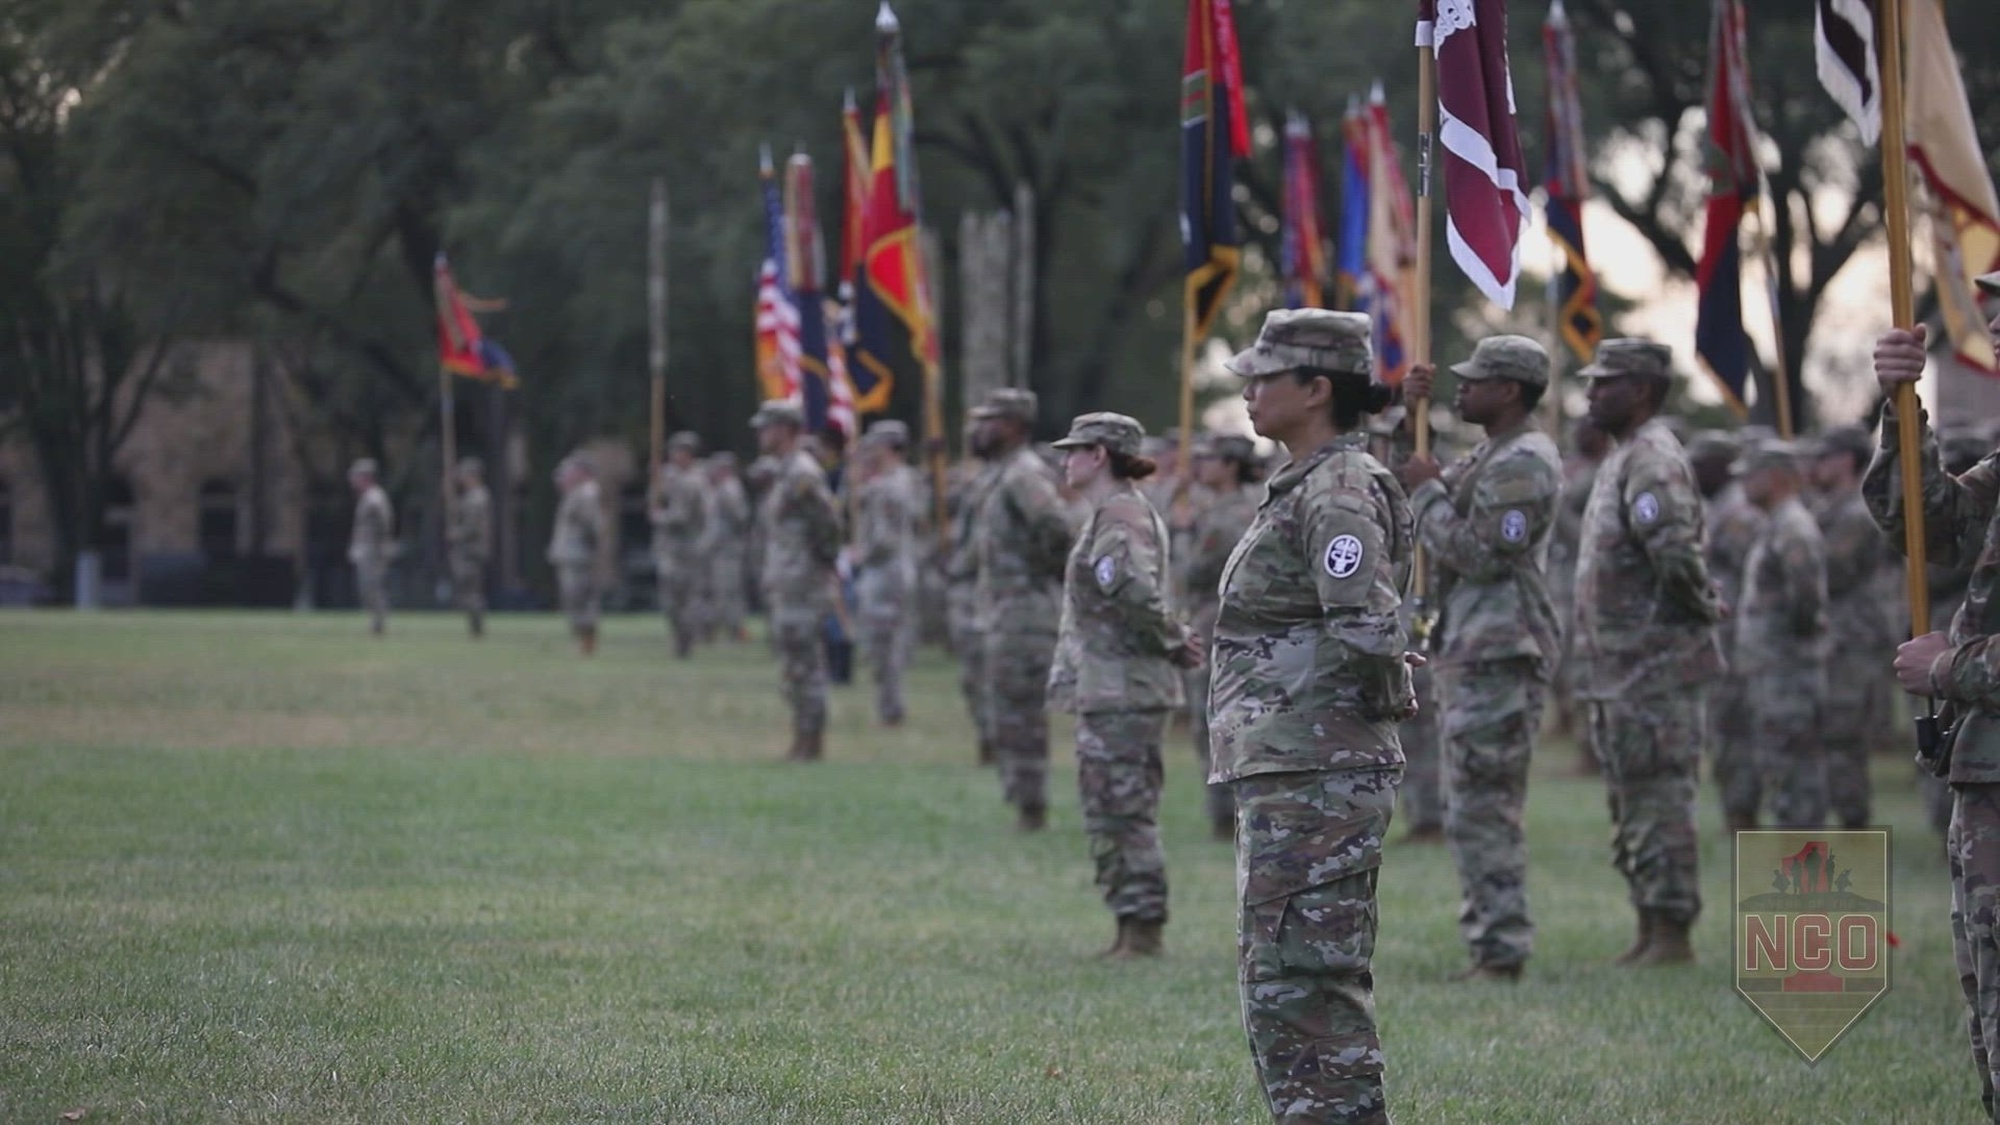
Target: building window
(218, 519)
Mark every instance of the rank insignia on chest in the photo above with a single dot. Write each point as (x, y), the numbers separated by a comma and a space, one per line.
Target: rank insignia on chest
(1343, 556)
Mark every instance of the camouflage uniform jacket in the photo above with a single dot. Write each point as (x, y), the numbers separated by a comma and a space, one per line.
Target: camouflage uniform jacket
(725, 523)
(579, 533)
(1308, 670)
(1855, 559)
(1021, 538)
(1781, 617)
(374, 537)
(886, 511)
(1961, 523)
(965, 493)
(801, 533)
(1734, 524)
(1579, 478)
(1645, 611)
(1115, 649)
(681, 514)
(471, 537)
(1487, 532)
(1217, 528)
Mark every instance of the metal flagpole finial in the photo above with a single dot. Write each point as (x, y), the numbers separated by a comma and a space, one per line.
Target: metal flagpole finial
(764, 159)
(885, 20)
(847, 103)
(1375, 93)
(1556, 13)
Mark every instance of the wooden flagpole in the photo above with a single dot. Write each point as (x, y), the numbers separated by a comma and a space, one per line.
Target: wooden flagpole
(1902, 300)
(1420, 306)
(447, 443)
(656, 323)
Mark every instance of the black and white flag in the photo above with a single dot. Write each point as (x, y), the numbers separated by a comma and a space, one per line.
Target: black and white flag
(1844, 48)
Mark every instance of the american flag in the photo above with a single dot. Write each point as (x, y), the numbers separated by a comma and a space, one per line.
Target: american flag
(777, 314)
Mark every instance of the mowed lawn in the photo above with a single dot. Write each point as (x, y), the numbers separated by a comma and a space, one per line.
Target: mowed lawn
(262, 868)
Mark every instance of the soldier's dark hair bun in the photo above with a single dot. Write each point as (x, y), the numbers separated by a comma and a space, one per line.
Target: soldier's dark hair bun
(1132, 467)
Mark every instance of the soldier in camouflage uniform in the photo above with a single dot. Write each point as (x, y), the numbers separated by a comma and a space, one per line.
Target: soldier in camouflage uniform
(576, 548)
(801, 544)
(1734, 524)
(1022, 533)
(1780, 653)
(1959, 667)
(724, 546)
(1224, 467)
(1311, 679)
(1485, 524)
(1862, 630)
(680, 518)
(372, 545)
(469, 542)
(964, 493)
(1116, 656)
(1645, 643)
(886, 513)
(1579, 474)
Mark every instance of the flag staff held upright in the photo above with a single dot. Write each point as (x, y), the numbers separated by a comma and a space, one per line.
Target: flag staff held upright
(1902, 302)
(1420, 306)
(656, 324)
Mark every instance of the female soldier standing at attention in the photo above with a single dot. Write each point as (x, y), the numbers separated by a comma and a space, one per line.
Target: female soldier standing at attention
(1115, 667)
(1311, 677)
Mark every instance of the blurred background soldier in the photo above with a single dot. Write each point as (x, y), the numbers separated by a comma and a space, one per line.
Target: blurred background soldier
(724, 547)
(965, 492)
(1733, 526)
(1225, 469)
(1023, 534)
(1421, 795)
(372, 544)
(1780, 625)
(884, 559)
(1485, 523)
(471, 542)
(1579, 473)
(1645, 619)
(680, 519)
(1862, 629)
(1116, 656)
(801, 544)
(576, 548)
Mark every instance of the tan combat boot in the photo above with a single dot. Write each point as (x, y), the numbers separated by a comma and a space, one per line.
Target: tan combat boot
(1639, 944)
(1509, 973)
(1740, 822)
(586, 640)
(1118, 943)
(1142, 939)
(1669, 945)
(1033, 818)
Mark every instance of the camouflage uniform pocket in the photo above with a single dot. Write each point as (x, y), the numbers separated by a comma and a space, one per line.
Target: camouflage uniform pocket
(1308, 846)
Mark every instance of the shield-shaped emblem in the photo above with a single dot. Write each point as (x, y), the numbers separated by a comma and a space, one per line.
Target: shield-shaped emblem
(1812, 930)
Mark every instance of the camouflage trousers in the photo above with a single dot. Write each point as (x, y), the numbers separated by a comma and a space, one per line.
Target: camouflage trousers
(1973, 848)
(726, 597)
(468, 586)
(1791, 758)
(1423, 777)
(1015, 694)
(1732, 747)
(1216, 801)
(1935, 793)
(1651, 750)
(1492, 712)
(1853, 717)
(796, 635)
(680, 592)
(1118, 774)
(371, 585)
(885, 600)
(578, 590)
(1308, 850)
(962, 619)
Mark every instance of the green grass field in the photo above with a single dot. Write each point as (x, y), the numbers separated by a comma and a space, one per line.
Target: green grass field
(260, 867)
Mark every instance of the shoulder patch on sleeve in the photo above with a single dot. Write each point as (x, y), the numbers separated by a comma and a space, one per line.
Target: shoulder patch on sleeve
(1107, 572)
(1514, 525)
(1343, 556)
(1646, 508)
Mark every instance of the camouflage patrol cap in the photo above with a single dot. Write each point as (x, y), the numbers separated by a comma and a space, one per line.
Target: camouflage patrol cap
(1507, 357)
(1231, 447)
(1115, 433)
(580, 461)
(364, 467)
(1630, 355)
(1768, 455)
(1714, 445)
(1016, 403)
(778, 412)
(1855, 441)
(1318, 338)
(472, 466)
(686, 439)
(888, 431)
(723, 459)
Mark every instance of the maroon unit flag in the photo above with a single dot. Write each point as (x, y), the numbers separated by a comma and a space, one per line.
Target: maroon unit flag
(1485, 203)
